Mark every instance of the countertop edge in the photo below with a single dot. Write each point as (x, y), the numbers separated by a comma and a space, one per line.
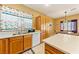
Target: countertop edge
(6, 37)
(56, 47)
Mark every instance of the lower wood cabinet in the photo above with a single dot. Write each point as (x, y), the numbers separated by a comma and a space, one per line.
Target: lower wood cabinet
(43, 36)
(27, 41)
(3, 46)
(51, 50)
(16, 45)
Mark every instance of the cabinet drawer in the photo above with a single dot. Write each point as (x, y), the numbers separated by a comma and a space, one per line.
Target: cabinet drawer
(16, 38)
(26, 36)
(52, 50)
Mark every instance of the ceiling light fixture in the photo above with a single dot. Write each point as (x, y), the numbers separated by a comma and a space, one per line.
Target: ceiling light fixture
(46, 4)
(65, 15)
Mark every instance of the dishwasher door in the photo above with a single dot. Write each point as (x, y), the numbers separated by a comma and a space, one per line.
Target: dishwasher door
(35, 39)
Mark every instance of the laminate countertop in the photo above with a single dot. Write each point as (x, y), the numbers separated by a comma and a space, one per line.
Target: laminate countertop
(64, 42)
(4, 35)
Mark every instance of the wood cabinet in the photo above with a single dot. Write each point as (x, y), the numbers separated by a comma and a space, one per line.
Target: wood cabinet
(16, 45)
(38, 23)
(51, 50)
(27, 41)
(45, 25)
(3, 46)
(43, 28)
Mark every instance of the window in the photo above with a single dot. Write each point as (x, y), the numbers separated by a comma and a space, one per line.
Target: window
(69, 26)
(74, 25)
(62, 26)
(65, 25)
(10, 22)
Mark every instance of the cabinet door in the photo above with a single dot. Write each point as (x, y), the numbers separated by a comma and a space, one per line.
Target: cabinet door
(3, 46)
(38, 23)
(16, 45)
(43, 30)
(51, 50)
(27, 41)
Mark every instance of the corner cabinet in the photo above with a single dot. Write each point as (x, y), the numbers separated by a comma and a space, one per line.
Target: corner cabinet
(27, 41)
(3, 46)
(16, 44)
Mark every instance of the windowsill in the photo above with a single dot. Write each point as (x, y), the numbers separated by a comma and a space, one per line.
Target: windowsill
(70, 33)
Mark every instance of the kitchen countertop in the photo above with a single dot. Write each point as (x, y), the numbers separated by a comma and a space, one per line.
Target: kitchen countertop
(65, 43)
(9, 35)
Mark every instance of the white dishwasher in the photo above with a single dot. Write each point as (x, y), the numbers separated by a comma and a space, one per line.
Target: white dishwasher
(35, 39)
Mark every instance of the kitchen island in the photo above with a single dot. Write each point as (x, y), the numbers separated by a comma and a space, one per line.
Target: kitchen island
(63, 43)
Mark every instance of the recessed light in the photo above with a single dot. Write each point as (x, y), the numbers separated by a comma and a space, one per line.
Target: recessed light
(46, 4)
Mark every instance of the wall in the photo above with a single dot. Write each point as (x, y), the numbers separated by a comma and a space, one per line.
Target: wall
(49, 29)
(57, 21)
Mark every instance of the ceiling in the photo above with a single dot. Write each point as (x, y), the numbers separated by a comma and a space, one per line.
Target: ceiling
(55, 10)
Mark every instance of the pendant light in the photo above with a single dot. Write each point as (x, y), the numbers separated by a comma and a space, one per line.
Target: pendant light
(65, 21)
(65, 16)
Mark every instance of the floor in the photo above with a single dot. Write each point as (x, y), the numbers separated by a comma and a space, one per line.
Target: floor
(38, 49)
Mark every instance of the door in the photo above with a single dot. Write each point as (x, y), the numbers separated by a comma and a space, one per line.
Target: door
(35, 39)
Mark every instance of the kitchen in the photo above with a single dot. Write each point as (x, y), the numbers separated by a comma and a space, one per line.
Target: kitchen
(24, 30)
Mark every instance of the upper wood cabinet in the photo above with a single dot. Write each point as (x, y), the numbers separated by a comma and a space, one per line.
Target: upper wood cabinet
(27, 41)
(16, 45)
(38, 23)
(3, 46)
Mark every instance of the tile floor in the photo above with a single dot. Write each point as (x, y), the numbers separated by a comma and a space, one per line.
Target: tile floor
(40, 49)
